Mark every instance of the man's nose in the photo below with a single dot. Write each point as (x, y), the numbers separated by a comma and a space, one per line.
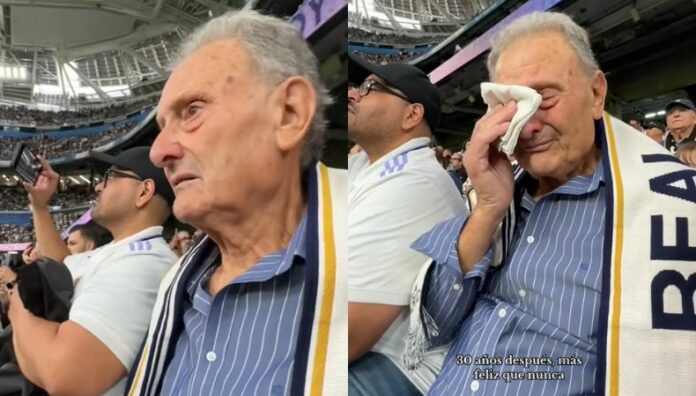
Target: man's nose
(533, 126)
(353, 95)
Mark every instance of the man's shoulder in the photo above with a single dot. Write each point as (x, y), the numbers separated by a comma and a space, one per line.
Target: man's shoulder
(141, 255)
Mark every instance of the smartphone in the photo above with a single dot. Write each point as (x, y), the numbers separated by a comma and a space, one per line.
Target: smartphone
(26, 164)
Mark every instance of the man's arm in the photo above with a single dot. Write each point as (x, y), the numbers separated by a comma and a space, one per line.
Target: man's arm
(63, 358)
(366, 325)
(47, 235)
(490, 173)
(448, 293)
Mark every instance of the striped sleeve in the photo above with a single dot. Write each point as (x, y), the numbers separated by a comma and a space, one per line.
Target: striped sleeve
(449, 295)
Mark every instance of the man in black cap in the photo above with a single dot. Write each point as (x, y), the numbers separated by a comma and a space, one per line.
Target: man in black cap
(397, 190)
(681, 122)
(92, 352)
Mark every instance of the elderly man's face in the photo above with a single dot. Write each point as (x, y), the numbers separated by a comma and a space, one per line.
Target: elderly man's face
(680, 117)
(559, 138)
(216, 129)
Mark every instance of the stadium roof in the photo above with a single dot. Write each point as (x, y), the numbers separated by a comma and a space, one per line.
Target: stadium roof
(69, 53)
(413, 17)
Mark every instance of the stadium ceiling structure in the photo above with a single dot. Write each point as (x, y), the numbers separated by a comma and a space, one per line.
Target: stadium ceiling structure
(414, 17)
(77, 53)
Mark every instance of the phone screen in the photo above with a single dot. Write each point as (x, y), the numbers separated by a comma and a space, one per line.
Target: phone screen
(26, 164)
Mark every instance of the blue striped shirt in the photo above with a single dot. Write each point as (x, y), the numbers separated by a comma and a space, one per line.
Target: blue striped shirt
(242, 341)
(542, 302)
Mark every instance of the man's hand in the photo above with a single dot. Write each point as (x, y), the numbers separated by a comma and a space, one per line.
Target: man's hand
(31, 254)
(489, 170)
(47, 185)
(490, 173)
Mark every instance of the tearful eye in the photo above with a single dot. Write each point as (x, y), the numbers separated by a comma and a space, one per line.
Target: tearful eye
(547, 103)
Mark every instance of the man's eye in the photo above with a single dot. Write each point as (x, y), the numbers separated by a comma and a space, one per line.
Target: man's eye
(191, 111)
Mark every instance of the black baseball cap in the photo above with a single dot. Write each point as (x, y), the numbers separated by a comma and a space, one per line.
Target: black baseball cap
(137, 160)
(681, 102)
(410, 80)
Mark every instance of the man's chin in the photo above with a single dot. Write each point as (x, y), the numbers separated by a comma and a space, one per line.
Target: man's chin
(185, 210)
(537, 164)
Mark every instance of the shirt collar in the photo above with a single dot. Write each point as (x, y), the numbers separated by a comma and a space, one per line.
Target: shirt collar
(577, 185)
(266, 268)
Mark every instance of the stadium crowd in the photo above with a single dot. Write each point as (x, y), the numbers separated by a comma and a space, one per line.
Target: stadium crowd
(25, 116)
(50, 147)
(12, 233)
(404, 56)
(14, 198)
(363, 36)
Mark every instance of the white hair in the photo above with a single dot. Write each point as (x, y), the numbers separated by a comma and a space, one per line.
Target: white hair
(279, 51)
(536, 22)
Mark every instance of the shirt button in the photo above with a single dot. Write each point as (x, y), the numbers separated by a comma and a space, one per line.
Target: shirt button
(474, 385)
(522, 292)
(456, 286)
(530, 239)
(502, 312)
(211, 356)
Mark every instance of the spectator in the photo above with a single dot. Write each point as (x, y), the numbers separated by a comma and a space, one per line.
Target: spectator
(637, 124)
(539, 287)
(397, 189)
(681, 122)
(86, 237)
(180, 243)
(93, 351)
(457, 172)
(687, 153)
(259, 261)
(655, 133)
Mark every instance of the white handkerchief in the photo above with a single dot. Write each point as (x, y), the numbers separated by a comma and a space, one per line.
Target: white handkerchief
(528, 101)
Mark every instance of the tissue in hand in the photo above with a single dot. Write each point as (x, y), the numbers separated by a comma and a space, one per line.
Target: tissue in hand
(528, 101)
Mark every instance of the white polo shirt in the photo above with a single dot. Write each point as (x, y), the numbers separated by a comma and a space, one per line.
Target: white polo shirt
(390, 204)
(116, 291)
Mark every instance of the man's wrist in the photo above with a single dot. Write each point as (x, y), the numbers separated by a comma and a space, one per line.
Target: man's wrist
(39, 207)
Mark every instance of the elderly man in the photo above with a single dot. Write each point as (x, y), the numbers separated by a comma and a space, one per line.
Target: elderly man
(397, 189)
(92, 352)
(555, 284)
(258, 306)
(457, 171)
(681, 122)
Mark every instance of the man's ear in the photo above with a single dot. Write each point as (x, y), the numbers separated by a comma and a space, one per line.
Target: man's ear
(90, 245)
(297, 104)
(413, 115)
(599, 94)
(145, 193)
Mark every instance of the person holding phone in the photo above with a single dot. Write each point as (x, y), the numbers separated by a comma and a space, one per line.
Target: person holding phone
(92, 352)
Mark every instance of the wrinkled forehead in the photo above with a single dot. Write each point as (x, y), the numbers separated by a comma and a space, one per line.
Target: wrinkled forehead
(540, 56)
(208, 66)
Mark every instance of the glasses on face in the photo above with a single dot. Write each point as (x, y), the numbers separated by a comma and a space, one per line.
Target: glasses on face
(112, 173)
(372, 85)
